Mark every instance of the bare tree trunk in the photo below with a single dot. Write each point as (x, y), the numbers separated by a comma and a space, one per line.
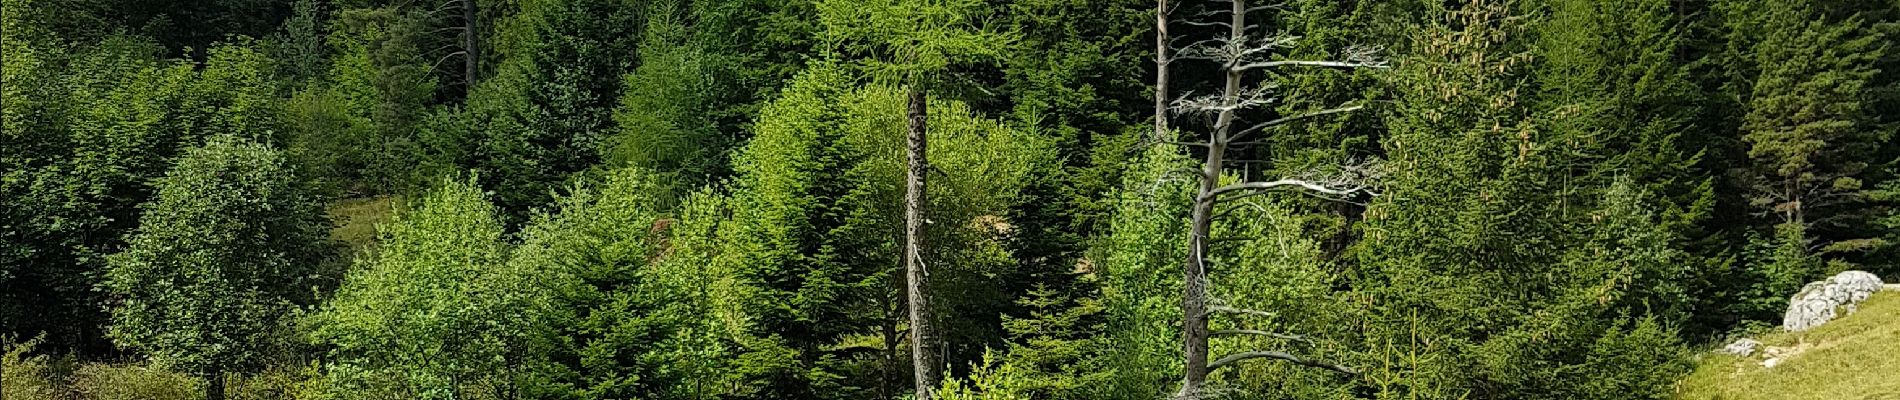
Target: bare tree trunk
(892, 314)
(471, 45)
(1194, 333)
(1161, 70)
(923, 356)
(215, 390)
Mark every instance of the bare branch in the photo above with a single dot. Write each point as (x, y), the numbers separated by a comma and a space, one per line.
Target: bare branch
(1320, 187)
(1295, 118)
(1231, 310)
(1356, 57)
(1255, 332)
(1264, 45)
(1212, 12)
(1309, 63)
(438, 63)
(1266, 7)
(1238, 357)
(1205, 49)
(1206, 23)
(1219, 103)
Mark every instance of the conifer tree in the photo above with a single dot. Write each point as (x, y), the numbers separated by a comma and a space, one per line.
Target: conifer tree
(1810, 132)
(913, 43)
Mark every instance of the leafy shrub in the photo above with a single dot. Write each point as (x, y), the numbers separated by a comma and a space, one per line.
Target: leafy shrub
(28, 376)
(134, 382)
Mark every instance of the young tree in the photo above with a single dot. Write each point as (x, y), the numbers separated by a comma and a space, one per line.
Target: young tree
(1495, 264)
(1237, 53)
(89, 127)
(912, 43)
(666, 112)
(640, 307)
(816, 222)
(436, 313)
(219, 260)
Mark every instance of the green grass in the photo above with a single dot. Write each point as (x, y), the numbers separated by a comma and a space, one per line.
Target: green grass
(1856, 357)
(356, 220)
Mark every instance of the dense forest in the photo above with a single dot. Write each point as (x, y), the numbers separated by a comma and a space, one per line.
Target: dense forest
(950, 199)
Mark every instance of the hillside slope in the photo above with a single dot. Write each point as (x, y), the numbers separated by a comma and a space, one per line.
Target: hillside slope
(1856, 357)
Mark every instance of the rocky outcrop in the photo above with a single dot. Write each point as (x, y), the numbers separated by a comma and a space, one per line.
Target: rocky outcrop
(1820, 302)
(1744, 347)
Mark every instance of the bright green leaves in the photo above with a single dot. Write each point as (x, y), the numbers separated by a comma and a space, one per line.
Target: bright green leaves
(437, 313)
(219, 260)
(87, 127)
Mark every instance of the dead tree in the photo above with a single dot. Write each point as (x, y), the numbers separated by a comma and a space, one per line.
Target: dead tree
(1237, 54)
(471, 47)
(923, 356)
(469, 39)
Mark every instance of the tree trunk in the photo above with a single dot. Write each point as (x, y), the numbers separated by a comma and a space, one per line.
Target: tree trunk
(215, 390)
(923, 356)
(893, 313)
(1194, 333)
(1161, 70)
(471, 47)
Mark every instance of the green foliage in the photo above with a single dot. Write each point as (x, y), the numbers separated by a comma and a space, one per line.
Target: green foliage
(989, 381)
(816, 229)
(1495, 269)
(1265, 260)
(25, 374)
(909, 41)
(95, 125)
(436, 312)
(705, 68)
(1054, 353)
(219, 260)
(548, 110)
(1137, 262)
(665, 112)
(133, 382)
(1808, 126)
(1083, 90)
(356, 129)
(707, 203)
(640, 308)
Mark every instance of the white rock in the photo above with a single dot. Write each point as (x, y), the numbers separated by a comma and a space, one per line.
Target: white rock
(1817, 302)
(1743, 347)
(1770, 363)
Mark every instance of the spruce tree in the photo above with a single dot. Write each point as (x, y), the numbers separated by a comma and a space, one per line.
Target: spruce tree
(1808, 125)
